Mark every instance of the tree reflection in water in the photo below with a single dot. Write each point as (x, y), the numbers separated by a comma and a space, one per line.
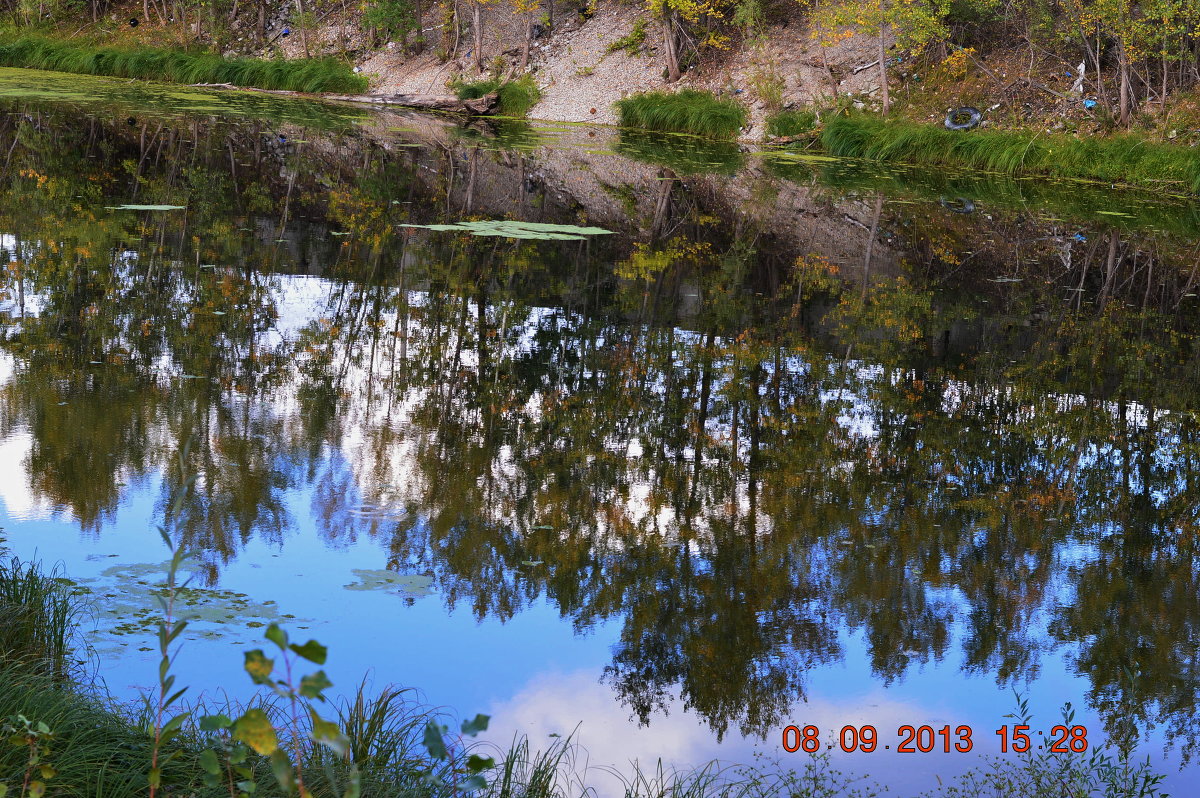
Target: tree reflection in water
(739, 445)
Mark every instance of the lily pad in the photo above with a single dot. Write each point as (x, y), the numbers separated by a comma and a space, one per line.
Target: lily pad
(407, 585)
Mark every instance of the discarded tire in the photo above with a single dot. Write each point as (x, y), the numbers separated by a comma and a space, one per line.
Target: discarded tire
(958, 205)
(965, 118)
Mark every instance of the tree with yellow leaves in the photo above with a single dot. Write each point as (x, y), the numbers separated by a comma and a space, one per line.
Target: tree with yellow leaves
(913, 23)
(675, 15)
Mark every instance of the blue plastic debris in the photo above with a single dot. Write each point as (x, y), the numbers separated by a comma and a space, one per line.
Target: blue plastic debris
(1079, 237)
(1089, 104)
(286, 31)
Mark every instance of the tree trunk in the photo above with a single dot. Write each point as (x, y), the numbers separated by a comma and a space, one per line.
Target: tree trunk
(528, 40)
(883, 76)
(419, 13)
(1126, 89)
(670, 43)
(1163, 100)
(477, 24)
(302, 24)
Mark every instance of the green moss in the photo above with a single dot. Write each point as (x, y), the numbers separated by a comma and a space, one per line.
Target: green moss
(1127, 159)
(686, 111)
(178, 66)
(791, 123)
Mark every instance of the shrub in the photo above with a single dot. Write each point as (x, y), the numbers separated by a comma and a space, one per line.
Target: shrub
(686, 111)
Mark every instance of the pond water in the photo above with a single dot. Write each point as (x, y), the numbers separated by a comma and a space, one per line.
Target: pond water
(725, 441)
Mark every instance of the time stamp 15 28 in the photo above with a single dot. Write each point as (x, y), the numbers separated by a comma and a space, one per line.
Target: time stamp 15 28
(927, 739)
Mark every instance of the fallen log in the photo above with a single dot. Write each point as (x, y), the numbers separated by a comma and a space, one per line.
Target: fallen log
(428, 102)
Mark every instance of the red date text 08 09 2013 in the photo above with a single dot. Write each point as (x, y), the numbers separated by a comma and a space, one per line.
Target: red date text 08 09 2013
(924, 739)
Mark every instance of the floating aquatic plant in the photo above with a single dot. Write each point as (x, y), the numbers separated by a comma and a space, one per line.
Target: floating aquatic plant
(407, 585)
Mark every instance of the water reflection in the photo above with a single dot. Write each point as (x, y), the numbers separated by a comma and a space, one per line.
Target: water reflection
(776, 409)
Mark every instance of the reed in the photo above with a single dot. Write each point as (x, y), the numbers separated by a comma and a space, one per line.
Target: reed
(1126, 159)
(687, 111)
(178, 66)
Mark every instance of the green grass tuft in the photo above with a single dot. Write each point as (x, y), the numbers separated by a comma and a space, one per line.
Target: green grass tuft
(1127, 159)
(177, 66)
(37, 619)
(686, 111)
(516, 96)
(791, 123)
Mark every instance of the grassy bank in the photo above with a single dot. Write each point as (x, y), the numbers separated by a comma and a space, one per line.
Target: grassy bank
(178, 66)
(688, 111)
(1126, 159)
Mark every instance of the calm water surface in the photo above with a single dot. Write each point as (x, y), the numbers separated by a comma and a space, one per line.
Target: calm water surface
(795, 441)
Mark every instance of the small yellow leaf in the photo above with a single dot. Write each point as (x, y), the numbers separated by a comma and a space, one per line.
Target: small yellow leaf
(255, 730)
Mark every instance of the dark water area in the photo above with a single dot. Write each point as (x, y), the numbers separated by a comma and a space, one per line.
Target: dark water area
(792, 441)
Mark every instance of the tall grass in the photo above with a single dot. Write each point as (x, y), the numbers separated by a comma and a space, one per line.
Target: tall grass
(791, 123)
(516, 97)
(686, 111)
(177, 66)
(97, 750)
(1127, 159)
(37, 619)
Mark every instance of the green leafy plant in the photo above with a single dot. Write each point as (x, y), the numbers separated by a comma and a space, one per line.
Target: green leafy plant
(254, 729)
(169, 630)
(35, 738)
